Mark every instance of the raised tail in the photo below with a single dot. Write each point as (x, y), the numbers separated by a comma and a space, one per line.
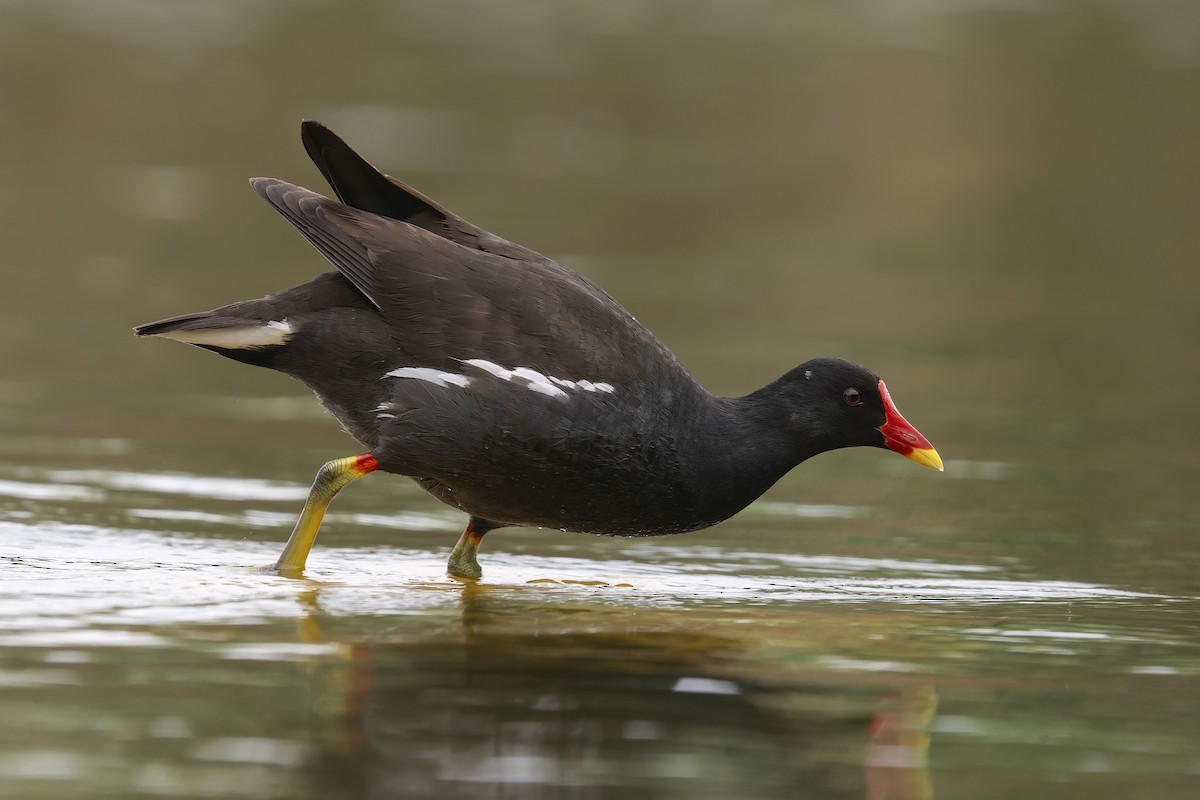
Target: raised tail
(254, 331)
(212, 329)
(245, 337)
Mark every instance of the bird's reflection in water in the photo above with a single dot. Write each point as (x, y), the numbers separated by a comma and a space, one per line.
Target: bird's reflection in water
(565, 704)
(897, 758)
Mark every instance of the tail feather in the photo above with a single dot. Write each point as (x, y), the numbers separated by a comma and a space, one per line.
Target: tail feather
(210, 329)
(187, 322)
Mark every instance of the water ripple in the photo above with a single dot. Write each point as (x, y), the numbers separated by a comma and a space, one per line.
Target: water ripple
(184, 484)
(76, 585)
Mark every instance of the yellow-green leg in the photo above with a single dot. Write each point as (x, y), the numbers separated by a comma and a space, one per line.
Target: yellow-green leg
(463, 562)
(331, 478)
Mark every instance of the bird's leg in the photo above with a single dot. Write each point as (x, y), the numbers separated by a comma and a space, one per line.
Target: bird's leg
(331, 477)
(462, 563)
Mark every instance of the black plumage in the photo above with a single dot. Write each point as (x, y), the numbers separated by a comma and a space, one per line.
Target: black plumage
(510, 386)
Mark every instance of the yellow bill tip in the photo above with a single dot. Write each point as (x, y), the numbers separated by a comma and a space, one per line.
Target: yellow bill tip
(926, 457)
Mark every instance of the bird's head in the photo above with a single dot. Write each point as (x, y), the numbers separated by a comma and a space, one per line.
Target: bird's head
(838, 403)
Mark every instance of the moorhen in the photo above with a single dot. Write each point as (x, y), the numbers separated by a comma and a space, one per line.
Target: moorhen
(509, 386)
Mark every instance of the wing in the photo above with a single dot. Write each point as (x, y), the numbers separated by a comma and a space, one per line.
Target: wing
(359, 185)
(448, 304)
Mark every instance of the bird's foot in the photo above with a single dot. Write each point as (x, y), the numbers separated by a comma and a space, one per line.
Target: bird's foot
(463, 563)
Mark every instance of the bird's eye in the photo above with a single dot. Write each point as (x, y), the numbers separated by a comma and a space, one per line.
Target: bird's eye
(852, 397)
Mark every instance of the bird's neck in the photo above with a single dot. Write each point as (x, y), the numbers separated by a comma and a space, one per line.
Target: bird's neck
(747, 444)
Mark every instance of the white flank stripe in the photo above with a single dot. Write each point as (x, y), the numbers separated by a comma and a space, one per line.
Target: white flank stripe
(487, 366)
(242, 337)
(430, 375)
(546, 389)
(530, 375)
(522, 376)
(538, 382)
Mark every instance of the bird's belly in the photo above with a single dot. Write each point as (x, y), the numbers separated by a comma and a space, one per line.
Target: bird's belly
(597, 464)
(608, 502)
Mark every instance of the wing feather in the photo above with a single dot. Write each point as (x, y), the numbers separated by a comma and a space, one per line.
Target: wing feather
(448, 303)
(359, 185)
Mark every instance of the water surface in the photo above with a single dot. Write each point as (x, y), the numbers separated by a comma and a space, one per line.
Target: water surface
(990, 205)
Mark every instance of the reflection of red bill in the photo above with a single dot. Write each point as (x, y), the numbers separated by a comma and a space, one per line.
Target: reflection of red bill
(904, 438)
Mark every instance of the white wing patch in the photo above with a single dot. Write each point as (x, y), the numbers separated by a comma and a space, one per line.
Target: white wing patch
(239, 337)
(531, 379)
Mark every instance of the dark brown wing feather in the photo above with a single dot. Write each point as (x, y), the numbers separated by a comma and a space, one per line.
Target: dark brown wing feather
(448, 303)
(360, 185)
